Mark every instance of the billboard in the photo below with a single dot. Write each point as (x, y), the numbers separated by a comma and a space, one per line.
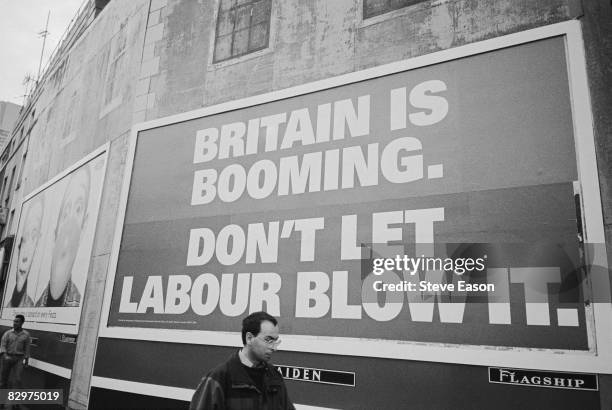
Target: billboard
(53, 244)
(323, 205)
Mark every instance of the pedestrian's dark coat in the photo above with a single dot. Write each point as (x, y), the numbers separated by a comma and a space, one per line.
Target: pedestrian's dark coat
(229, 387)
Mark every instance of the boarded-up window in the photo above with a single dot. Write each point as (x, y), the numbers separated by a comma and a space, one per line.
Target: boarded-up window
(243, 27)
(373, 8)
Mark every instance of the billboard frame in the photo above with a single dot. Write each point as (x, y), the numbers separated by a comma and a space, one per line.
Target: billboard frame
(599, 315)
(54, 327)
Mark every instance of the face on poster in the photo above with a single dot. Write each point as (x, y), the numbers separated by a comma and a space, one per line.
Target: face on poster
(50, 259)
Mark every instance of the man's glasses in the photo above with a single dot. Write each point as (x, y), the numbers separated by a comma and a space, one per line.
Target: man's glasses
(271, 342)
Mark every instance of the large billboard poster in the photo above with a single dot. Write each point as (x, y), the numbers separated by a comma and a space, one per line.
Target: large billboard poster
(50, 260)
(438, 205)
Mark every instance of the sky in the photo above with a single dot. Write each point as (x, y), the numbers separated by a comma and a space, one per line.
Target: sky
(20, 44)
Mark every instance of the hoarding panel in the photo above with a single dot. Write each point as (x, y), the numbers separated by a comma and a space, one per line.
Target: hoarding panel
(554, 314)
(475, 150)
(50, 262)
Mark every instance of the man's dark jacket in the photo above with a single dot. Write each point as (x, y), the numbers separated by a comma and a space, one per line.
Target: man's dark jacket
(229, 387)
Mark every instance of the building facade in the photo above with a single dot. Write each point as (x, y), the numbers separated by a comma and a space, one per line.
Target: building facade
(206, 159)
(8, 115)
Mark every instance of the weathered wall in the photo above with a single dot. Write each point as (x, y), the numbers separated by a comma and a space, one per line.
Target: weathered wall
(312, 40)
(86, 99)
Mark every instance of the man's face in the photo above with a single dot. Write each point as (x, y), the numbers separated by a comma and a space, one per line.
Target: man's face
(265, 343)
(68, 232)
(28, 241)
(17, 323)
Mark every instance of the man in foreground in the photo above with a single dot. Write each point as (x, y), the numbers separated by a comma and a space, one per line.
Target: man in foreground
(246, 380)
(14, 353)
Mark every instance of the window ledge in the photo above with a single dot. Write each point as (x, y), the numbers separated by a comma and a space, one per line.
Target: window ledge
(395, 13)
(255, 54)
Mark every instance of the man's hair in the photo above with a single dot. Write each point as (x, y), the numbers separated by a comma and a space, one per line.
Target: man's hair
(20, 317)
(252, 323)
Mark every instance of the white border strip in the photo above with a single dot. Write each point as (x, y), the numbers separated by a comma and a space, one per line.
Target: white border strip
(157, 390)
(51, 368)
(599, 360)
(47, 327)
(54, 327)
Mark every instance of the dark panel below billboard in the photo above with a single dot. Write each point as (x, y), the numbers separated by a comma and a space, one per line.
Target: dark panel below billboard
(379, 383)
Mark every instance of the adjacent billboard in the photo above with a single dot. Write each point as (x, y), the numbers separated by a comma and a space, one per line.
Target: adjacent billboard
(51, 256)
(323, 205)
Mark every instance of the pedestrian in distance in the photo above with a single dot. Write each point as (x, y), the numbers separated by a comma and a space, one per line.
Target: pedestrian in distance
(14, 353)
(246, 380)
